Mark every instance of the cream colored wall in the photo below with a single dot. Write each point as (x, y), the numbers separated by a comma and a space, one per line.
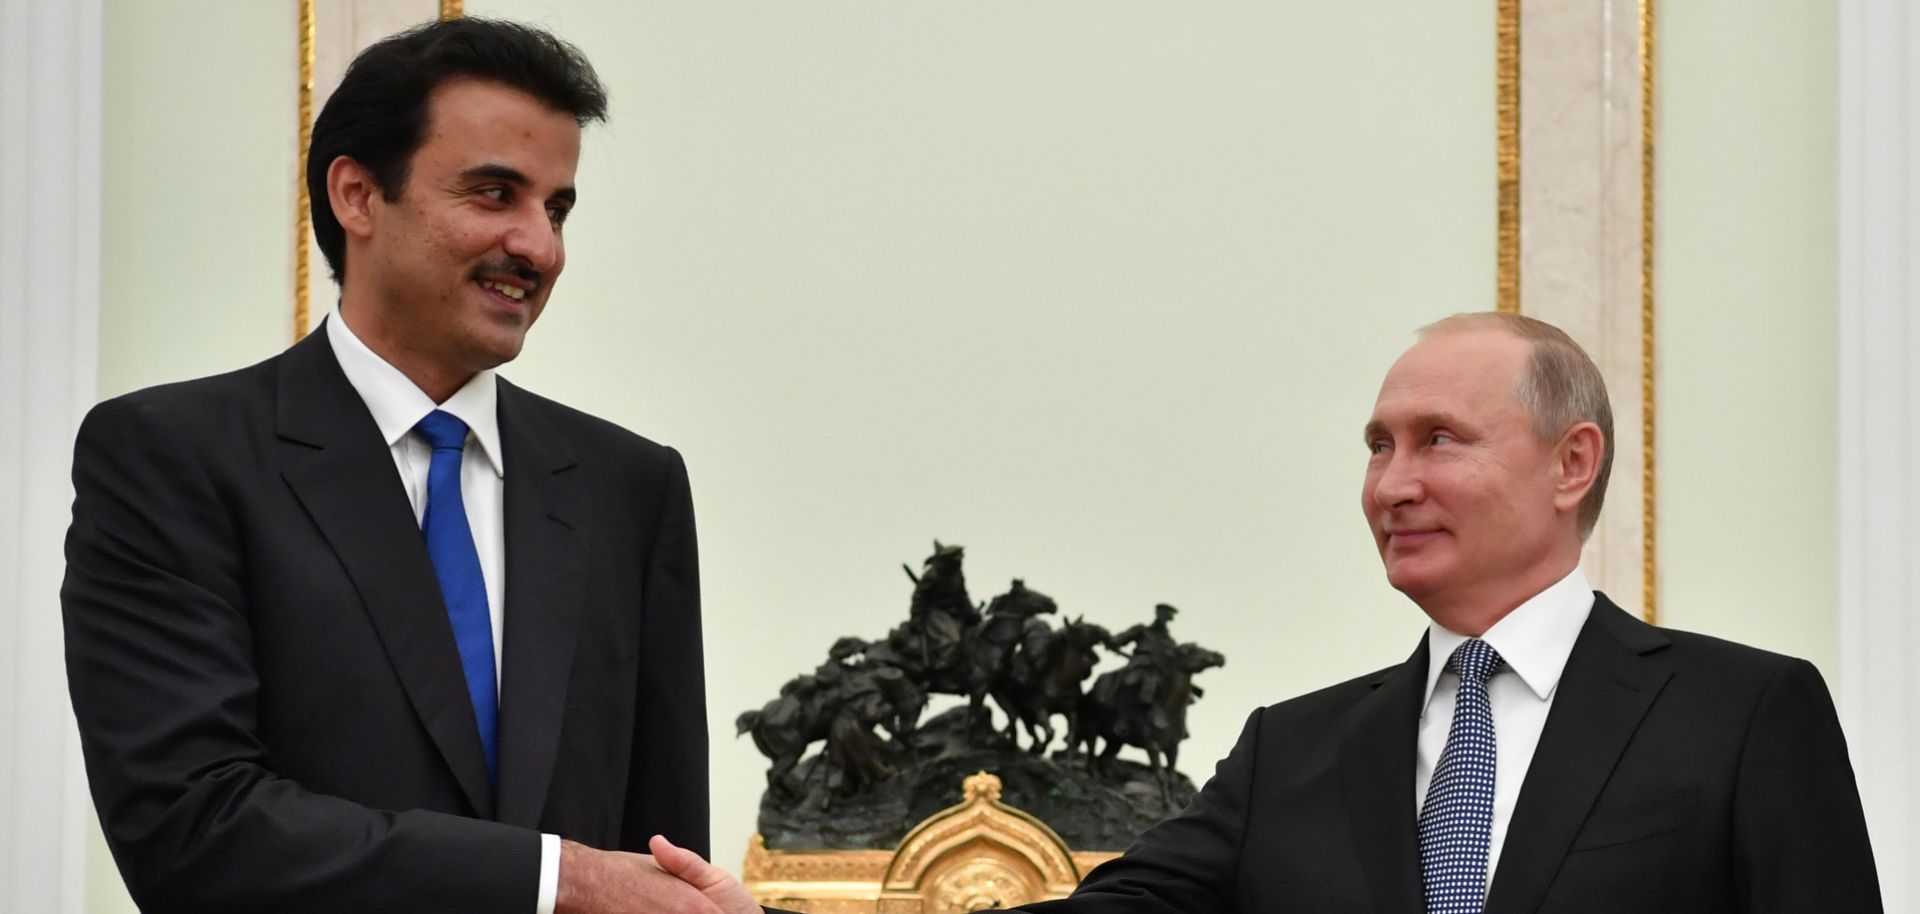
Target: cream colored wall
(197, 246)
(1102, 291)
(1747, 324)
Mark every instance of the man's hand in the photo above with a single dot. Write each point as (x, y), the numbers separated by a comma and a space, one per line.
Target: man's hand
(715, 884)
(612, 882)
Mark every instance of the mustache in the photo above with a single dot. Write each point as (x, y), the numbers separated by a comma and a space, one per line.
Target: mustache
(513, 267)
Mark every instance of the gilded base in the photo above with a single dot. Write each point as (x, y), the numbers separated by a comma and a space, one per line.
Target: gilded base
(978, 855)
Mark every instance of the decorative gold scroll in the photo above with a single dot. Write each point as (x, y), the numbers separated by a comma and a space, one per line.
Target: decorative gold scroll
(302, 215)
(979, 854)
(1649, 556)
(1507, 161)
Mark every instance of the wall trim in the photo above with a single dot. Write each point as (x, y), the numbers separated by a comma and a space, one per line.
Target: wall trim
(1575, 129)
(51, 61)
(1879, 425)
(305, 252)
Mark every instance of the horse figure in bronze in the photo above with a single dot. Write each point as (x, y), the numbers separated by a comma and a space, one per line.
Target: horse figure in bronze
(844, 695)
(978, 660)
(1044, 680)
(1146, 708)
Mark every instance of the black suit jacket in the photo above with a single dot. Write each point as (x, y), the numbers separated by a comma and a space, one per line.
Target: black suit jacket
(1676, 773)
(270, 701)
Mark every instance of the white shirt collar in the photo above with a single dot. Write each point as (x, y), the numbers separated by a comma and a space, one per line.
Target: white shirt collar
(398, 405)
(1534, 640)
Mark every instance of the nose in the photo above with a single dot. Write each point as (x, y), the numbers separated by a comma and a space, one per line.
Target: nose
(534, 239)
(1398, 482)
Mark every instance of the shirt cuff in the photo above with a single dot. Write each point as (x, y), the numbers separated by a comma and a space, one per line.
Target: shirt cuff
(549, 875)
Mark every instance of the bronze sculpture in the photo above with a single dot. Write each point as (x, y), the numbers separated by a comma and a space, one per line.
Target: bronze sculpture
(881, 768)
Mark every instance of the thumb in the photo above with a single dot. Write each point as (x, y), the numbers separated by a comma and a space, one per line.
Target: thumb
(684, 864)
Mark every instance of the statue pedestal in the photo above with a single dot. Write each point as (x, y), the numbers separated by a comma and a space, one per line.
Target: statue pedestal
(978, 855)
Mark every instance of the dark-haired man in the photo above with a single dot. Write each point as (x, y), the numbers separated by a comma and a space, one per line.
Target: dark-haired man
(365, 627)
(1541, 751)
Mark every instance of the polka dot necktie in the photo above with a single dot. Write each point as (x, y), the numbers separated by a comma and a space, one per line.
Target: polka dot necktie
(1456, 824)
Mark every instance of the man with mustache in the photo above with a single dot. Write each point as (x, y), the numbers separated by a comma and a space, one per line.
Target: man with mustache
(365, 627)
(1542, 750)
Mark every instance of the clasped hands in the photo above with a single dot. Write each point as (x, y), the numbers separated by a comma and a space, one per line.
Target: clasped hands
(671, 880)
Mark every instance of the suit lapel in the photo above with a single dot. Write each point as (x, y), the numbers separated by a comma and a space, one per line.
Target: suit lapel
(1617, 668)
(546, 545)
(1376, 766)
(350, 489)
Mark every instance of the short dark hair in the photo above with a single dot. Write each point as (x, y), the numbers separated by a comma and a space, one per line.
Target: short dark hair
(378, 116)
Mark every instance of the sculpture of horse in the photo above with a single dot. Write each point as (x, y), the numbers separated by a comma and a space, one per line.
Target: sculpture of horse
(984, 649)
(811, 709)
(1148, 711)
(990, 648)
(855, 755)
(1044, 680)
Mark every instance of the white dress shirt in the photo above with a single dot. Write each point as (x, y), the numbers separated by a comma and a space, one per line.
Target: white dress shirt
(397, 406)
(1534, 641)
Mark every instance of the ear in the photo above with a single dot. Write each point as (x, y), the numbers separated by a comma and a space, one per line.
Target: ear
(1576, 465)
(351, 191)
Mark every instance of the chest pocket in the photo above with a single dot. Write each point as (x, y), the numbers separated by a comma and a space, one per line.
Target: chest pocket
(1639, 818)
(603, 684)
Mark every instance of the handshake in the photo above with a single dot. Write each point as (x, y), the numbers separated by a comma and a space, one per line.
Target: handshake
(671, 880)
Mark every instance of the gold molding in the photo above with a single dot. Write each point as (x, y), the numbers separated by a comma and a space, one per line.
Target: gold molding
(1507, 294)
(1649, 556)
(981, 818)
(302, 219)
(979, 853)
(1507, 167)
(1507, 131)
(302, 203)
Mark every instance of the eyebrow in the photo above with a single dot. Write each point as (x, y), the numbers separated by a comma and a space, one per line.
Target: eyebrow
(1377, 429)
(496, 172)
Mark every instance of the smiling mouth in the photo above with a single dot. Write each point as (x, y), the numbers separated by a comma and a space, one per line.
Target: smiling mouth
(511, 293)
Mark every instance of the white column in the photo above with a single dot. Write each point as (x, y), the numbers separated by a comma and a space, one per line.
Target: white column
(50, 116)
(1879, 364)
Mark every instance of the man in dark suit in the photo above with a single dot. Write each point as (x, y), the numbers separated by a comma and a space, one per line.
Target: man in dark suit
(364, 627)
(1541, 751)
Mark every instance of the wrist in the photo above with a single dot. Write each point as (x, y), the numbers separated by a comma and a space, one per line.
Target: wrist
(577, 875)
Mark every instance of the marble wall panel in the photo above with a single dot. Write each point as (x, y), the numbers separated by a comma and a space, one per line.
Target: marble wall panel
(1582, 237)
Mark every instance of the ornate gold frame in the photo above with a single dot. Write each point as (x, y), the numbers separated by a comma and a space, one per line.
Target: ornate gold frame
(978, 853)
(1649, 563)
(1507, 182)
(302, 203)
(1507, 157)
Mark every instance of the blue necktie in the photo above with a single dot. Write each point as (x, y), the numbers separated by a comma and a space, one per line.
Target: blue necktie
(457, 564)
(1456, 823)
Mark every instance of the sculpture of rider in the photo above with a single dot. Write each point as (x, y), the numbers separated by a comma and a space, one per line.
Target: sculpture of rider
(941, 611)
(1153, 648)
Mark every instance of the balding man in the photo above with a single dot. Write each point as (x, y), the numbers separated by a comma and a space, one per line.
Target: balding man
(1542, 750)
